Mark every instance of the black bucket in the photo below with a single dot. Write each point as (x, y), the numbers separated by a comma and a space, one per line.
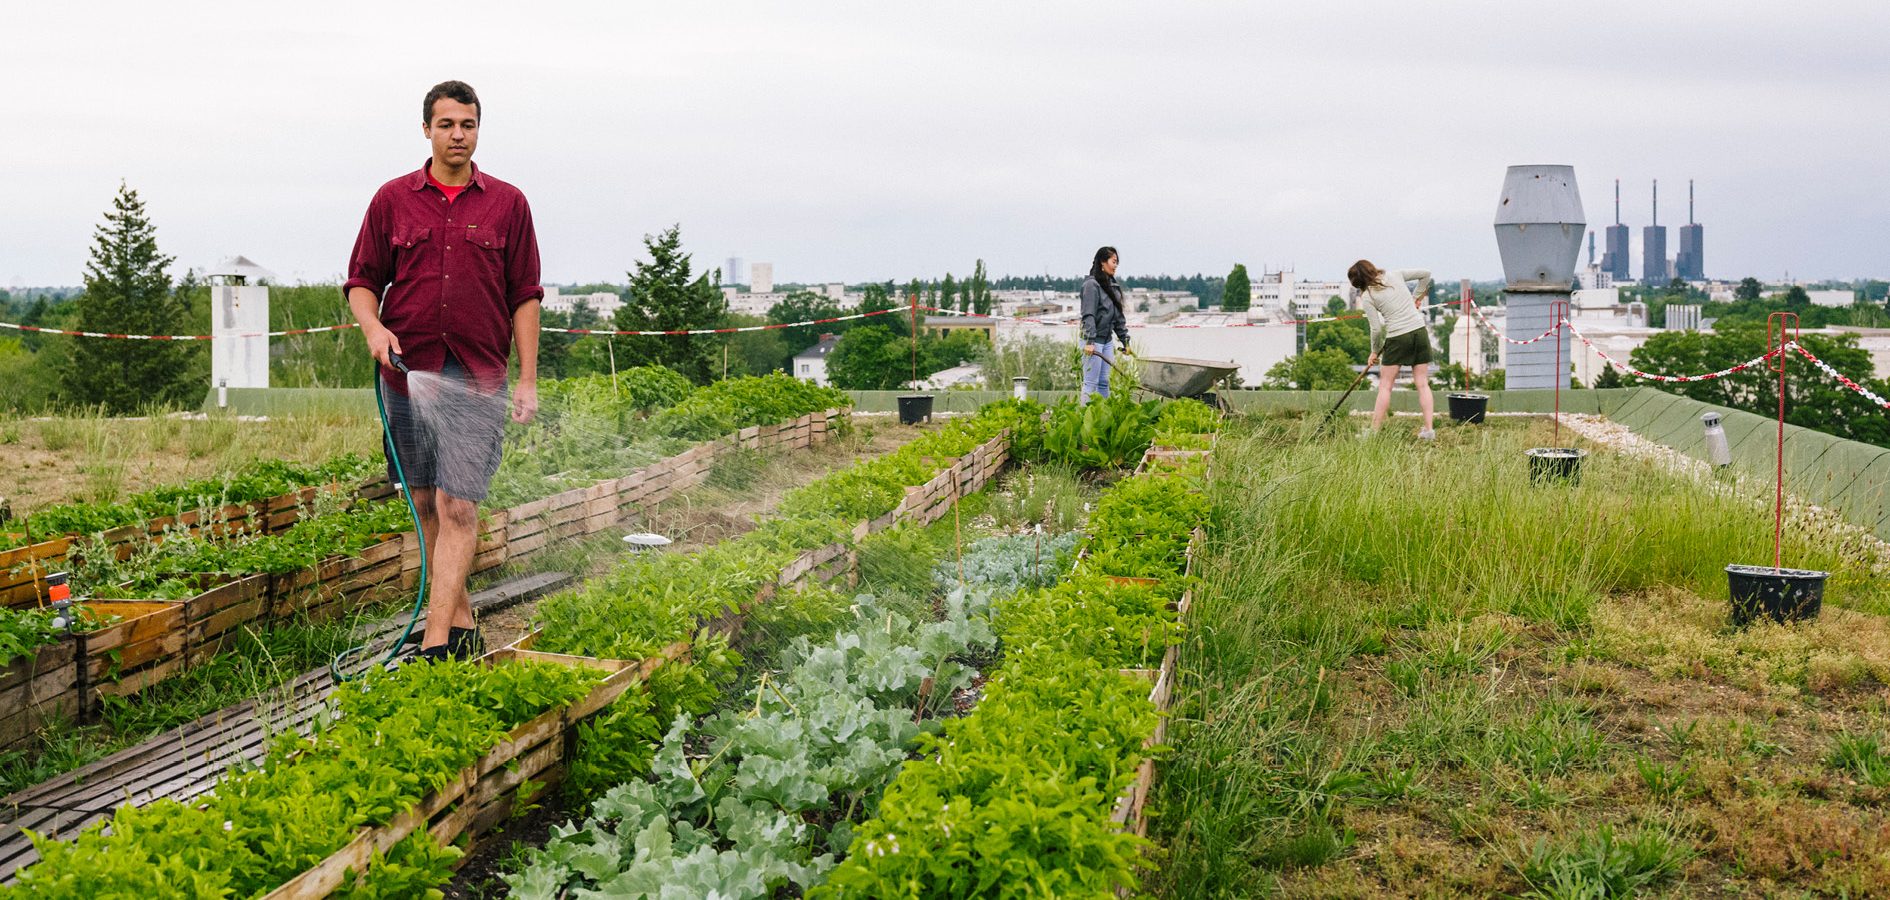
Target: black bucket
(1468, 408)
(1783, 595)
(1555, 464)
(913, 407)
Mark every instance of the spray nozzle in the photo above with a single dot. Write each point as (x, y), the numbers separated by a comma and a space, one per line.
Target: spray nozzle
(393, 359)
(60, 593)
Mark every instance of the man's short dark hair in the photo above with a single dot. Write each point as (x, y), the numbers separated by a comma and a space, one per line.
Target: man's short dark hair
(451, 90)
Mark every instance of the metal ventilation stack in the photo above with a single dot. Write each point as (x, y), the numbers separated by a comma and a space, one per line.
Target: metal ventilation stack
(1539, 226)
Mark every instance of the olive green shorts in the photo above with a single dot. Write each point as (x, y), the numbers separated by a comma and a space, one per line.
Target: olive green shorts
(1411, 348)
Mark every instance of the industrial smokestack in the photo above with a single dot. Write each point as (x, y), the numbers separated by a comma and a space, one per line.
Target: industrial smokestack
(1591, 247)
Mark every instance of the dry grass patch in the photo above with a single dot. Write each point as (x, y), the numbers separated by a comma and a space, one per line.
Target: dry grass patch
(1677, 633)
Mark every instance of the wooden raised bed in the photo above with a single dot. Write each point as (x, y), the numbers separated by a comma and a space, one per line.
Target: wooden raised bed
(485, 793)
(64, 680)
(1132, 809)
(36, 689)
(23, 572)
(23, 585)
(145, 646)
(339, 583)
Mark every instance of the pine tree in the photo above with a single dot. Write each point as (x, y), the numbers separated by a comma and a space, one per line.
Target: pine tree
(664, 297)
(1237, 296)
(127, 291)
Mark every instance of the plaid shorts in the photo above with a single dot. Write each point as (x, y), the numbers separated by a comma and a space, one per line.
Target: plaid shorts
(449, 435)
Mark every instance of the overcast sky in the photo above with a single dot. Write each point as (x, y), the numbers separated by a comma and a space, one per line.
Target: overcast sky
(856, 141)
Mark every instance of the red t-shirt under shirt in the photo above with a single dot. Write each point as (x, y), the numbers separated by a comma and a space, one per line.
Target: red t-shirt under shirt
(450, 190)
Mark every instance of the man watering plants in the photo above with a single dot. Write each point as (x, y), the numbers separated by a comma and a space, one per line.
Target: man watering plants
(444, 282)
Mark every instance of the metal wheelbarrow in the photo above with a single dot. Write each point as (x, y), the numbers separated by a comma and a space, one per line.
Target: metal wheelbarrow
(1175, 377)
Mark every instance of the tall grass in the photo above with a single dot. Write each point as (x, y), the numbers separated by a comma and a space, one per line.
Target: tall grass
(1458, 529)
(1325, 551)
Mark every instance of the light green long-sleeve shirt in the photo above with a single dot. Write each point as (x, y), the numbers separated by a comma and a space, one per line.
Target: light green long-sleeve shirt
(1390, 308)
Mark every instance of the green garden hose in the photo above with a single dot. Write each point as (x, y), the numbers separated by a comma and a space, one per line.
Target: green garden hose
(400, 477)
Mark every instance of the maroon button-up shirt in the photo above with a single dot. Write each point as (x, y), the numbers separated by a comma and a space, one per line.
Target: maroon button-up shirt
(449, 274)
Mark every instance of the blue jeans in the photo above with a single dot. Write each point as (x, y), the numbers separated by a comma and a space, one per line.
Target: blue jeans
(1096, 370)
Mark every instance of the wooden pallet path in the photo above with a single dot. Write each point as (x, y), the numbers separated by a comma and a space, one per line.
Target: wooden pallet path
(186, 762)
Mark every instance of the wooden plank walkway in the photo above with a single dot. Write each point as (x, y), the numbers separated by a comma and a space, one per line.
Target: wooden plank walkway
(186, 762)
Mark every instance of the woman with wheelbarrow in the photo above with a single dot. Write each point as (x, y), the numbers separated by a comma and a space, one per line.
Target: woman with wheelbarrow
(1104, 326)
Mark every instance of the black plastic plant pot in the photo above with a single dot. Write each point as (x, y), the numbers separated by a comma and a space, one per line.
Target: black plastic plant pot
(913, 407)
(1553, 464)
(1782, 595)
(1468, 408)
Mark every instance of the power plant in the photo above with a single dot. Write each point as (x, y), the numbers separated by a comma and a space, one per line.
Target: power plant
(1689, 264)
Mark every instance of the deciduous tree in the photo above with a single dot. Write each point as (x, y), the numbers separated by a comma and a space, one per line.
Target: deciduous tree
(1237, 296)
(1329, 369)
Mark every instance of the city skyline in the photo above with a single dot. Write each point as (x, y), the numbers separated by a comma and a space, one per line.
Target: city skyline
(847, 141)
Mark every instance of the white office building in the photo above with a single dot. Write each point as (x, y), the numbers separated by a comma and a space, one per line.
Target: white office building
(1284, 293)
(761, 278)
(603, 303)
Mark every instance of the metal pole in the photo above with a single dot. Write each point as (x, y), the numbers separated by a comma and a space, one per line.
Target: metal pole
(1775, 341)
(1558, 310)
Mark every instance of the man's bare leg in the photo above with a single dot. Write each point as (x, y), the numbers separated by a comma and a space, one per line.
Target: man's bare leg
(452, 535)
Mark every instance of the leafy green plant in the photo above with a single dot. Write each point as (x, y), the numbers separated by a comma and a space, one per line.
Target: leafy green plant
(783, 778)
(1141, 526)
(1017, 793)
(1123, 625)
(1024, 418)
(1009, 562)
(23, 631)
(399, 736)
(1106, 433)
(736, 403)
(1188, 416)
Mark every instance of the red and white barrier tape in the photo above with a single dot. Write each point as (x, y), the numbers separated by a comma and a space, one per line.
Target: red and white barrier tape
(1499, 333)
(174, 337)
(1867, 393)
(347, 325)
(744, 328)
(947, 311)
(898, 310)
(1677, 379)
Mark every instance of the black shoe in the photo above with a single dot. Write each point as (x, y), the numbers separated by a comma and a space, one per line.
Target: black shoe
(423, 655)
(464, 643)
